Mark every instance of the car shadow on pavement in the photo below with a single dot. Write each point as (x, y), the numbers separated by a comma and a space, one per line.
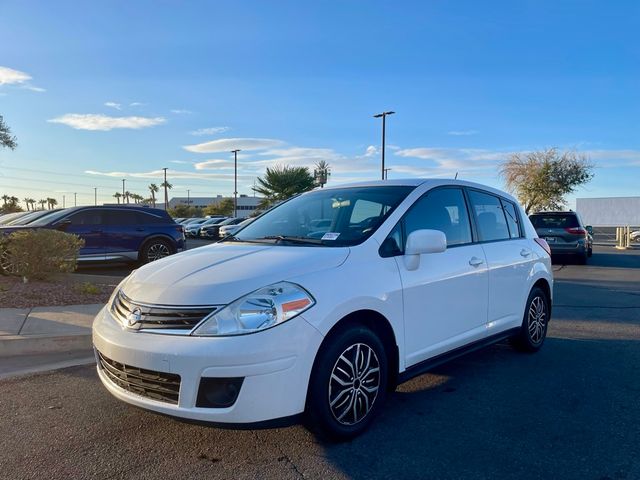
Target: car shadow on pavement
(570, 411)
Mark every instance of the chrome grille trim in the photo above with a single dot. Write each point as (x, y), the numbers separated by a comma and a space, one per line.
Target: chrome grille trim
(160, 386)
(168, 319)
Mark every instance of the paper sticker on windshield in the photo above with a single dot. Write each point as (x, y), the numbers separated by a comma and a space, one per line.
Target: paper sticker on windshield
(330, 236)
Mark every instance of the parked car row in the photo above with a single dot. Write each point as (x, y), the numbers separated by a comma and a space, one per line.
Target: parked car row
(208, 227)
(110, 233)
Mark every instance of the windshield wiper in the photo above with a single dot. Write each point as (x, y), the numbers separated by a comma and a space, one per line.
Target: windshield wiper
(300, 240)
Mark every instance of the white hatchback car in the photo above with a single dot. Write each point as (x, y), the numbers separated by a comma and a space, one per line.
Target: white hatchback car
(282, 319)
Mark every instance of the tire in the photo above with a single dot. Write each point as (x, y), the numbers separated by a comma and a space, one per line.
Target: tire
(582, 258)
(340, 405)
(155, 249)
(533, 330)
(590, 252)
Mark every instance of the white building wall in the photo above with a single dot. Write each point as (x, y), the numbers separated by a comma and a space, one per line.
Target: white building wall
(610, 211)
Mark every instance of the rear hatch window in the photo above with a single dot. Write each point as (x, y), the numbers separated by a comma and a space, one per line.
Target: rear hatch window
(554, 221)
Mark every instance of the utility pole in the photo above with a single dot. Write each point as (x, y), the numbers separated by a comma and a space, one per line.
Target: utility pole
(63, 201)
(235, 182)
(384, 122)
(188, 198)
(386, 173)
(166, 201)
(123, 180)
(95, 196)
(75, 199)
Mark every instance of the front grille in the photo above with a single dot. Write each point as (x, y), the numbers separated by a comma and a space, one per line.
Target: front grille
(153, 317)
(161, 386)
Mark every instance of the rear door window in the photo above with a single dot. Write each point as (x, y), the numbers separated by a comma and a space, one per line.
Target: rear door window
(554, 221)
(87, 217)
(490, 217)
(121, 217)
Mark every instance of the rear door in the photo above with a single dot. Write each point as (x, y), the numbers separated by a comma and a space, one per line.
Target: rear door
(509, 258)
(89, 225)
(124, 232)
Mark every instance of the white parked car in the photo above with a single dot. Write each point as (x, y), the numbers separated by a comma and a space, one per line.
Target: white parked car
(273, 323)
(232, 229)
(635, 236)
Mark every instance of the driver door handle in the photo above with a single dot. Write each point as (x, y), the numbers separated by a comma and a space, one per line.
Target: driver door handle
(475, 261)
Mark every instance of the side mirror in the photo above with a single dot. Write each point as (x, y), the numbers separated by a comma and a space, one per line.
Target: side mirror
(423, 241)
(589, 229)
(63, 224)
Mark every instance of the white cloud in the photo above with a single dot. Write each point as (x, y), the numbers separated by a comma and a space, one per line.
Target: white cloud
(181, 111)
(371, 151)
(91, 121)
(459, 133)
(452, 160)
(115, 105)
(136, 104)
(228, 144)
(182, 162)
(171, 174)
(209, 131)
(9, 76)
(213, 164)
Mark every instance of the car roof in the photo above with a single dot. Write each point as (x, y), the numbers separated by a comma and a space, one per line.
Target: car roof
(429, 182)
(570, 212)
(138, 208)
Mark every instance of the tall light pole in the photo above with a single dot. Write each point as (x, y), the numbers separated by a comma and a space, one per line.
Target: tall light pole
(235, 182)
(386, 173)
(188, 198)
(123, 180)
(75, 199)
(166, 204)
(95, 196)
(384, 123)
(63, 202)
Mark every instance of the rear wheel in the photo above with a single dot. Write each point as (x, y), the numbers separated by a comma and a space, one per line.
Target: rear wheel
(533, 330)
(155, 249)
(348, 384)
(590, 252)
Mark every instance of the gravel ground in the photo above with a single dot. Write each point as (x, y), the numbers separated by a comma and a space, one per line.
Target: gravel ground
(64, 290)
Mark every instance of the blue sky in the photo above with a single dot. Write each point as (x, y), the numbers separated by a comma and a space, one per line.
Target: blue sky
(97, 92)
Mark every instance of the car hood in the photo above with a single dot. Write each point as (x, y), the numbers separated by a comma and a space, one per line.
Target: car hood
(220, 273)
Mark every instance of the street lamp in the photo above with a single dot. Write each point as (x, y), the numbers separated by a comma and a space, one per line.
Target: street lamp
(188, 198)
(386, 173)
(123, 180)
(235, 182)
(384, 118)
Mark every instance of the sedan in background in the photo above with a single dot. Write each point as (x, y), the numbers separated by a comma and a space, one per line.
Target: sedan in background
(213, 231)
(193, 229)
(232, 229)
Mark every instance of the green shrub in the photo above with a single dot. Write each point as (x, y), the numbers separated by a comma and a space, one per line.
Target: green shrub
(39, 254)
(87, 288)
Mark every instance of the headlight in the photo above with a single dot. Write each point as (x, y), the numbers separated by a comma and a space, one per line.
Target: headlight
(262, 309)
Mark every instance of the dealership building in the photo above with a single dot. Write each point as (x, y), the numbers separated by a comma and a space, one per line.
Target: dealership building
(609, 211)
(246, 204)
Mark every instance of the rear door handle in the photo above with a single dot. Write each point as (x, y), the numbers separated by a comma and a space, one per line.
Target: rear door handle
(475, 261)
(525, 253)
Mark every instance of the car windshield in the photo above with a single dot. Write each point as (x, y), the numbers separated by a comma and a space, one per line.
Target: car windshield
(49, 219)
(554, 221)
(332, 217)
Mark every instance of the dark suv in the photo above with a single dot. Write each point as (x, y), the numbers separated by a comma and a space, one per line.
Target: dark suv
(565, 233)
(123, 233)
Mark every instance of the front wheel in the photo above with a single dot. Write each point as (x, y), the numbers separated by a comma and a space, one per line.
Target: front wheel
(155, 249)
(533, 330)
(348, 385)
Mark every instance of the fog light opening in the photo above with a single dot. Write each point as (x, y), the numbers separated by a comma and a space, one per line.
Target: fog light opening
(218, 392)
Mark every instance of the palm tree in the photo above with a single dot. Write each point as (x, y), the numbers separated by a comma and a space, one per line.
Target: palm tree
(117, 196)
(42, 203)
(52, 202)
(5, 199)
(127, 194)
(282, 182)
(137, 198)
(166, 186)
(13, 201)
(26, 202)
(322, 173)
(33, 203)
(153, 188)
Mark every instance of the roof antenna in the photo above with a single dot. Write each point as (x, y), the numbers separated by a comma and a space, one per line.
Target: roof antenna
(456, 177)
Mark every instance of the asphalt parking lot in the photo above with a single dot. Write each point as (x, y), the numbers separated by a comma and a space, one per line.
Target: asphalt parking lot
(572, 411)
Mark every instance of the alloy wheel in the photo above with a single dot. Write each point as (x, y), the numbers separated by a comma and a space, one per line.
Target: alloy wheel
(157, 251)
(354, 384)
(537, 319)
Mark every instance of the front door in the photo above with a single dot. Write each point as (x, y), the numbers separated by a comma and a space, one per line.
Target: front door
(445, 298)
(88, 225)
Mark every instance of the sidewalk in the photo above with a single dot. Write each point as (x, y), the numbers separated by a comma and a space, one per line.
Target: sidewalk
(46, 330)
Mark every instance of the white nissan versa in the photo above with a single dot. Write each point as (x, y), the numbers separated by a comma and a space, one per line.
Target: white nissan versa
(282, 318)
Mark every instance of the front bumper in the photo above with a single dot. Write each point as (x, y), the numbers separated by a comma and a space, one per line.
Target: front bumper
(275, 364)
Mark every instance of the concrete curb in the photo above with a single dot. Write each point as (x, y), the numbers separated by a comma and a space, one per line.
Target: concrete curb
(13, 345)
